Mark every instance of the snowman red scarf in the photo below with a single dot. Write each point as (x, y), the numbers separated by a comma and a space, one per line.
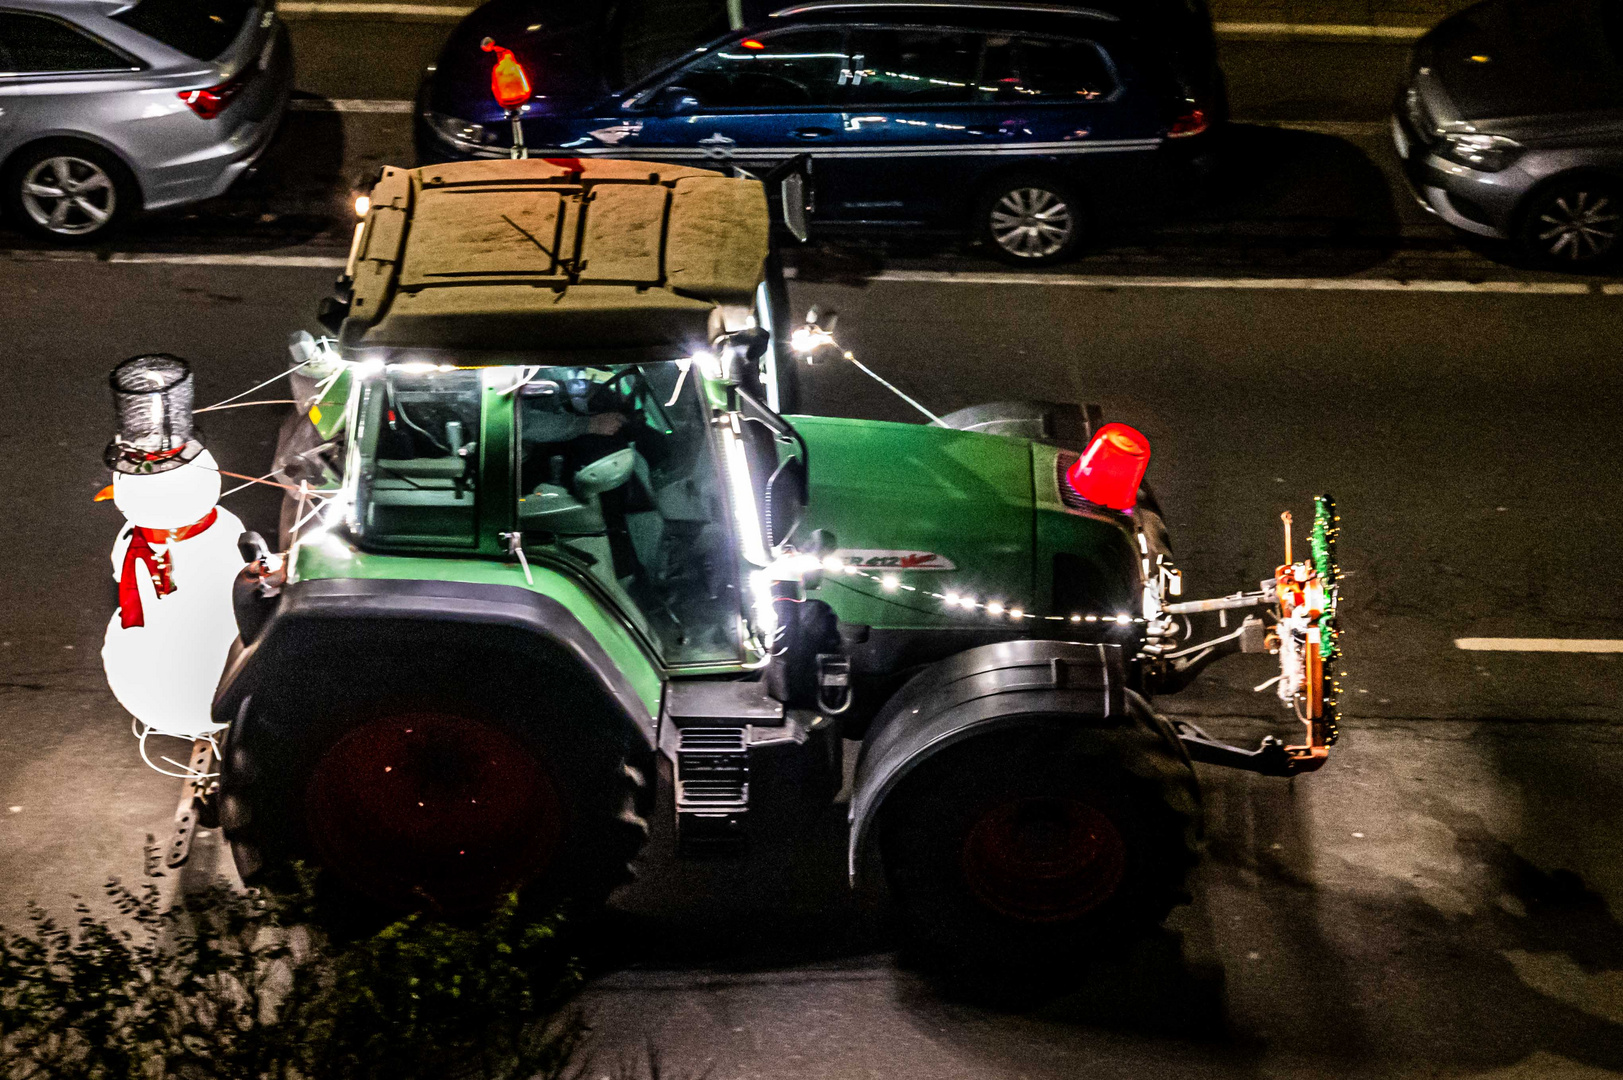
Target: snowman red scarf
(140, 549)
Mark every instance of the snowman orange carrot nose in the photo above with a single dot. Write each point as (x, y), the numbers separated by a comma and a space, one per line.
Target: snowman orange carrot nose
(104, 494)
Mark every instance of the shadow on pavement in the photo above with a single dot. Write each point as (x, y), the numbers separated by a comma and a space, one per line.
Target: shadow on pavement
(297, 192)
(1280, 200)
(1491, 953)
(1282, 192)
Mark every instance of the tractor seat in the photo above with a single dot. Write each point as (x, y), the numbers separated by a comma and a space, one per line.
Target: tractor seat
(577, 510)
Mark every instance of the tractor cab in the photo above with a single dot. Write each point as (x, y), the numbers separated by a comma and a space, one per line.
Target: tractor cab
(645, 481)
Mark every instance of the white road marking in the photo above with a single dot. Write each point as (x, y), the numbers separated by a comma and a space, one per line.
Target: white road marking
(1539, 644)
(1342, 128)
(349, 105)
(304, 9)
(956, 277)
(285, 262)
(1325, 31)
(926, 277)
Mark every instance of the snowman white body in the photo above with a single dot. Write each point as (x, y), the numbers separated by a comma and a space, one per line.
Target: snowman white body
(165, 670)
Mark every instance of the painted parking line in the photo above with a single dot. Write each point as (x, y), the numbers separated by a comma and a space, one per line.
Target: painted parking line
(919, 277)
(1341, 128)
(307, 9)
(1319, 31)
(1080, 281)
(280, 262)
(1539, 644)
(349, 105)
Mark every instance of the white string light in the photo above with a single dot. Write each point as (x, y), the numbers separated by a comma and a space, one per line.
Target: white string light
(997, 609)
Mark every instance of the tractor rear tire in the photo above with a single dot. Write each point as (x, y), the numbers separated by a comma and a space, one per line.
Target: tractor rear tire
(1023, 854)
(379, 791)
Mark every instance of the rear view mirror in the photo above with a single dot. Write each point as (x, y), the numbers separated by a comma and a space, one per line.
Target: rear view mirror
(794, 206)
(793, 179)
(672, 100)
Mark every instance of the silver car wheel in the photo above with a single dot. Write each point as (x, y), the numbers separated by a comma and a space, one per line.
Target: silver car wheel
(1031, 222)
(1578, 226)
(69, 196)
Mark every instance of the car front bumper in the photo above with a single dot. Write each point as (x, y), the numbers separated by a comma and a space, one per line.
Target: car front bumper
(1483, 203)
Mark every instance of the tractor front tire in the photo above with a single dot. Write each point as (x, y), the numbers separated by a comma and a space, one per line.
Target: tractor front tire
(1022, 855)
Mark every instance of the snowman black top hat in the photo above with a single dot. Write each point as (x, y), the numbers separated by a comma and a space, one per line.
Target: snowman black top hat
(152, 400)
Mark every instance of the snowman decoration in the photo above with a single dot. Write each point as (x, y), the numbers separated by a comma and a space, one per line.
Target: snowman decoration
(175, 559)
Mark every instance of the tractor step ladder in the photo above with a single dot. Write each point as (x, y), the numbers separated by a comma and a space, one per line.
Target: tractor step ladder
(712, 787)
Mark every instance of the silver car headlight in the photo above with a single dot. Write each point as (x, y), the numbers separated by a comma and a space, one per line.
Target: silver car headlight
(463, 134)
(1485, 153)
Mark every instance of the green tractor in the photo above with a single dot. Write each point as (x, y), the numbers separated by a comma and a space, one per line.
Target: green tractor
(555, 546)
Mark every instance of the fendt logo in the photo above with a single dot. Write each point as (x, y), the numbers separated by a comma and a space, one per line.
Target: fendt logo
(881, 559)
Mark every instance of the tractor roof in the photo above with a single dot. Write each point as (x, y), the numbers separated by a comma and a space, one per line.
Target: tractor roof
(619, 260)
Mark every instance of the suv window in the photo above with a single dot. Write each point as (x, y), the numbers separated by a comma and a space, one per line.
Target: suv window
(918, 67)
(794, 68)
(38, 44)
(202, 29)
(1046, 70)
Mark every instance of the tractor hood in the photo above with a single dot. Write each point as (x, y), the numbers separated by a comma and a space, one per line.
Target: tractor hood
(944, 510)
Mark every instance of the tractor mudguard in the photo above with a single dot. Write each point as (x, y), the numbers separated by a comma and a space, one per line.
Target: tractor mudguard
(527, 636)
(978, 691)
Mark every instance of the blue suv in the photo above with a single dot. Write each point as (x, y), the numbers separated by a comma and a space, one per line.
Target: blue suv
(1030, 122)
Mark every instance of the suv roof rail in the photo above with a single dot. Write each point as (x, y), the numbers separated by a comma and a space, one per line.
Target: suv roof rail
(987, 5)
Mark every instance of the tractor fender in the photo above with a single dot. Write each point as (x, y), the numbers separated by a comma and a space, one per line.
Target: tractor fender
(978, 691)
(508, 633)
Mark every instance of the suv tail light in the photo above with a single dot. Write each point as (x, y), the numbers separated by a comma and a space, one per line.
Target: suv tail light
(1109, 471)
(1192, 121)
(211, 102)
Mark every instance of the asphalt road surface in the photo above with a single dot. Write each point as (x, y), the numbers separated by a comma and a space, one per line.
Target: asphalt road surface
(1441, 900)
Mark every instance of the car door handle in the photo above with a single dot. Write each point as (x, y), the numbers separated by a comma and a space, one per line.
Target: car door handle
(811, 133)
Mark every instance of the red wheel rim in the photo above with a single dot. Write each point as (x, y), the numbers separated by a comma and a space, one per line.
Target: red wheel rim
(1044, 859)
(429, 810)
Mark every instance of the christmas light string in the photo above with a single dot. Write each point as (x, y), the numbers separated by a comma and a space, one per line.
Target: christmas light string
(994, 608)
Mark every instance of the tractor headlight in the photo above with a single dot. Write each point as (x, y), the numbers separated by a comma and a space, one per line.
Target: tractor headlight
(1484, 153)
(463, 134)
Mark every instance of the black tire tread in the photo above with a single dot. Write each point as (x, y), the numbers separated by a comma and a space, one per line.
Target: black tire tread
(1144, 762)
(266, 837)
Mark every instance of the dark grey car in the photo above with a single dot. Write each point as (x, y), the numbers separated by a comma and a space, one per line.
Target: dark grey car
(1511, 125)
(111, 106)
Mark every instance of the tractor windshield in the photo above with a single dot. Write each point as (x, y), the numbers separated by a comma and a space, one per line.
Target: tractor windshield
(419, 453)
(618, 476)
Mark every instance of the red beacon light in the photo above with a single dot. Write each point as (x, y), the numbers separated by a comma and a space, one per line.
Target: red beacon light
(1111, 469)
(509, 82)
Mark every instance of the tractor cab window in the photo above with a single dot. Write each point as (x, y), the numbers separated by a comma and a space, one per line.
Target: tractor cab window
(419, 458)
(619, 479)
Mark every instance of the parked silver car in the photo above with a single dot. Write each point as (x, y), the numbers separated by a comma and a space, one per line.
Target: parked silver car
(1511, 126)
(112, 106)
